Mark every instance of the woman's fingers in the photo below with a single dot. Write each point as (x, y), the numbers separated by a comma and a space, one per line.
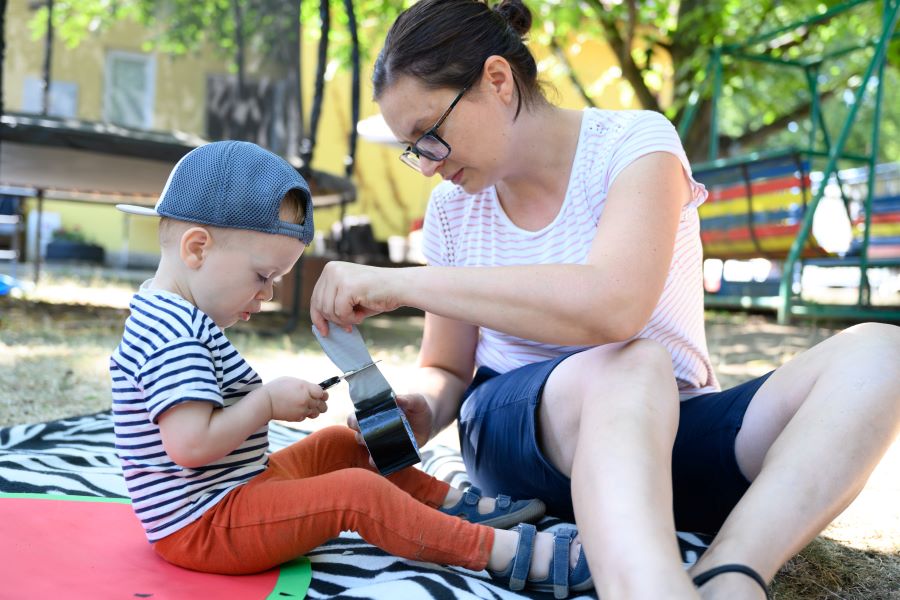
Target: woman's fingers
(331, 299)
(319, 320)
(419, 415)
(346, 294)
(354, 425)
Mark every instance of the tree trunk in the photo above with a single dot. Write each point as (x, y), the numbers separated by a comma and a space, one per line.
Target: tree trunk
(2, 48)
(48, 61)
(294, 92)
(696, 139)
(239, 46)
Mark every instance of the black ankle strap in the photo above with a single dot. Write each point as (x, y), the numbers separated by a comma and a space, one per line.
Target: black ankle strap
(732, 568)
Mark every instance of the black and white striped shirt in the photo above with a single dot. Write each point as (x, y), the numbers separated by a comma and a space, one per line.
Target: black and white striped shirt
(171, 352)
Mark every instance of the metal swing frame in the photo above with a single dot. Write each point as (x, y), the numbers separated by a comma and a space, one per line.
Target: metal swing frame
(789, 302)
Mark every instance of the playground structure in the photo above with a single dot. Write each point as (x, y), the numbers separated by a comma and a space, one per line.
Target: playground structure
(763, 204)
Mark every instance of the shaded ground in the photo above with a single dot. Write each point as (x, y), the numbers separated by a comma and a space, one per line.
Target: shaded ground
(55, 346)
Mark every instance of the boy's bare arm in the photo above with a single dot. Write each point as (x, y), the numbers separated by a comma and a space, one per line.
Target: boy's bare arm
(195, 434)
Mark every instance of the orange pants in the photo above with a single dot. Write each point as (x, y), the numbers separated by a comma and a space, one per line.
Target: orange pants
(313, 490)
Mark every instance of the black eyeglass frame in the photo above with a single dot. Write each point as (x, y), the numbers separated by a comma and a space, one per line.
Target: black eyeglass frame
(411, 155)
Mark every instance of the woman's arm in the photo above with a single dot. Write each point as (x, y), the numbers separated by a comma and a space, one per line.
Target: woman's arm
(446, 365)
(608, 299)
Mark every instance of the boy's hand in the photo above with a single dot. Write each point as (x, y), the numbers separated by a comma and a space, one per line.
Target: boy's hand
(418, 413)
(292, 399)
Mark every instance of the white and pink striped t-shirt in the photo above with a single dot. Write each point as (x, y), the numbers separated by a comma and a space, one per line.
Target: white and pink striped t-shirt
(469, 230)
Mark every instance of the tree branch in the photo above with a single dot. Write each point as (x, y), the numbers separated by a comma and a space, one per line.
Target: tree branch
(630, 71)
(632, 24)
(759, 134)
(560, 54)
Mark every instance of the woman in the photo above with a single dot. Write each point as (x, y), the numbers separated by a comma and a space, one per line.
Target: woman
(565, 264)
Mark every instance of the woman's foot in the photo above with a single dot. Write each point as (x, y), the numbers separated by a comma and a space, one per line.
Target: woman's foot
(500, 512)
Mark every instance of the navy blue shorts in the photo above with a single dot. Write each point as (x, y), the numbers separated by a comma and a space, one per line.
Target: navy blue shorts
(499, 443)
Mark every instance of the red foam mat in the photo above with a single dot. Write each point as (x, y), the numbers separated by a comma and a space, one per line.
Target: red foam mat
(59, 548)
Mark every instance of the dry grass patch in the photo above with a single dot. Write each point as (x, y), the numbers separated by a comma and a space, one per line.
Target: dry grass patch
(826, 569)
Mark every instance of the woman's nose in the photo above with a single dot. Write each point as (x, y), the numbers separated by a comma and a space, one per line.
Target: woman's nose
(428, 166)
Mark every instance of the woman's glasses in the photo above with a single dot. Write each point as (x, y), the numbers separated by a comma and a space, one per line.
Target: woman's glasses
(430, 145)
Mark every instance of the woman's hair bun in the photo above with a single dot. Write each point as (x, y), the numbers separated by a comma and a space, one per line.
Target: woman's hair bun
(516, 14)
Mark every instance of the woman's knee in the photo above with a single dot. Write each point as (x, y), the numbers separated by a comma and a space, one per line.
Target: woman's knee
(877, 335)
(637, 360)
(633, 378)
(872, 348)
(646, 357)
(860, 360)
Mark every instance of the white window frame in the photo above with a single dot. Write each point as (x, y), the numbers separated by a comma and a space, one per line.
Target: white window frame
(63, 97)
(149, 84)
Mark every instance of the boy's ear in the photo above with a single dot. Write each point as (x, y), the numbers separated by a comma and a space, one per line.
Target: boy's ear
(196, 243)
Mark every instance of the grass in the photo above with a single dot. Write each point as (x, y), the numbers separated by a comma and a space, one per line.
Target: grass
(55, 346)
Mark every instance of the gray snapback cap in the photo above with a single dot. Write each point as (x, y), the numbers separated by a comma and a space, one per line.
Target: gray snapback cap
(232, 184)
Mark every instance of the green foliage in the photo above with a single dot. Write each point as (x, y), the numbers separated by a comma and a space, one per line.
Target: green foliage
(758, 99)
(687, 30)
(183, 26)
(373, 19)
(73, 20)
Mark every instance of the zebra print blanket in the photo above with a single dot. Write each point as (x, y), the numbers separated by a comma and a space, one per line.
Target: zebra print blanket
(76, 457)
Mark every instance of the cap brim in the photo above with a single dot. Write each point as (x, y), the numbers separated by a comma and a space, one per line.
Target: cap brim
(138, 210)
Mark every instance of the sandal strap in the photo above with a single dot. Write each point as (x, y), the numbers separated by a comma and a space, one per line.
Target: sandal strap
(471, 496)
(559, 569)
(502, 502)
(522, 560)
(732, 568)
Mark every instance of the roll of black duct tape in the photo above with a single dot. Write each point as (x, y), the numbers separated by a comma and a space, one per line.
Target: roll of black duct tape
(383, 425)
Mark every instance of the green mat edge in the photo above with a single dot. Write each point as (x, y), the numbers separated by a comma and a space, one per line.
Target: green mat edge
(293, 579)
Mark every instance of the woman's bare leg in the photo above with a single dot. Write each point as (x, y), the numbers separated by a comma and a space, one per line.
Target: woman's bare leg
(810, 439)
(608, 419)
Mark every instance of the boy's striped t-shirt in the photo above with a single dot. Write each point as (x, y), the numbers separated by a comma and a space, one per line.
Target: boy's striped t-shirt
(170, 353)
(472, 230)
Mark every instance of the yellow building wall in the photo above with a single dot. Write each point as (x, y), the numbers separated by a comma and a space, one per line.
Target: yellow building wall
(391, 194)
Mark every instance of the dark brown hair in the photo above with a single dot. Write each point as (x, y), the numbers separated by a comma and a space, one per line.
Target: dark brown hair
(444, 43)
(293, 207)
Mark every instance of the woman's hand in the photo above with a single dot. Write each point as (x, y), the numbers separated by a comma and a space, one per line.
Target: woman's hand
(418, 413)
(347, 293)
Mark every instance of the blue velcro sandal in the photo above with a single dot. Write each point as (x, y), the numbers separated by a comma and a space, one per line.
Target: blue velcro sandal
(507, 512)
(732, 568)
(562, 579)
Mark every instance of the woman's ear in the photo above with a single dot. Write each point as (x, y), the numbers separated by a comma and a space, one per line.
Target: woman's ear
(499, 77)
(196, 243)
